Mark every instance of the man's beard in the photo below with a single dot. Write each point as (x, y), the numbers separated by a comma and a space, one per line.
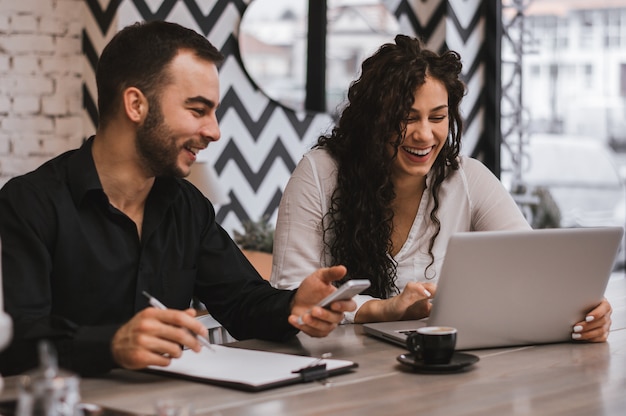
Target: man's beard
(156, 145)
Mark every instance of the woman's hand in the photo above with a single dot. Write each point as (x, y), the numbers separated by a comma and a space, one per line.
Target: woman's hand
(596, 326)
(412, 303)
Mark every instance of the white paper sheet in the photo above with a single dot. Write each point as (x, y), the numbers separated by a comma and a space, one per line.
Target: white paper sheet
(246, 367)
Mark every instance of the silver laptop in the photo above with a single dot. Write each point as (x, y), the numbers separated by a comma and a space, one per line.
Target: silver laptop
(505, 288)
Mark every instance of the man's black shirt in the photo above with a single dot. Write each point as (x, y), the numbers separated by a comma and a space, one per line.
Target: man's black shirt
(74, 267)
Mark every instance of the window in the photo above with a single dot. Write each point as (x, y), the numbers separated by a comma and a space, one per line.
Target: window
(567, 134)
(586, 29)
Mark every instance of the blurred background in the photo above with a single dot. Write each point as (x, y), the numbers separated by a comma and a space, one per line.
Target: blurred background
(564, 111)
(545, 108)
(563, 92)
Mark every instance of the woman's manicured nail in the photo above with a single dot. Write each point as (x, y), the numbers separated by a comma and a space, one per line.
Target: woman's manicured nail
(578, 328)
(576, 336)
(589, 318)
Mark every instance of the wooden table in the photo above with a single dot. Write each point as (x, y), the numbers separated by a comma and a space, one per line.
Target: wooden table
(568, 378)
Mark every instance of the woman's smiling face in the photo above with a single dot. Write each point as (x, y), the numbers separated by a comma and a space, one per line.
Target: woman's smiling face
(426, 131)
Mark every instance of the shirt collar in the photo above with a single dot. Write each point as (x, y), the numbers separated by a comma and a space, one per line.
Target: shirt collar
(82, 174)
(83, 178)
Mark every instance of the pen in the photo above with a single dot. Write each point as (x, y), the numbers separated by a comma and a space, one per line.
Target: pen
(157, 304)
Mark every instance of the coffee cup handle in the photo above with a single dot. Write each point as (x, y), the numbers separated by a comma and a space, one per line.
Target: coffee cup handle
(413, 344)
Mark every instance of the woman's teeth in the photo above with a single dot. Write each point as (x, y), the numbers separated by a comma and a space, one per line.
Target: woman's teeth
(418, 152)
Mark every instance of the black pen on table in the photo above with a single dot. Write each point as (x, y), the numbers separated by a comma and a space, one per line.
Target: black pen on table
(157, 304)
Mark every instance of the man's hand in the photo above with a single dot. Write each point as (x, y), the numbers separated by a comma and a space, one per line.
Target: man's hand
(314, 320)
(154, 337)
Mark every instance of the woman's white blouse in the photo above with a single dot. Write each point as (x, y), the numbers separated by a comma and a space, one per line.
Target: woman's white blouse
(471, 199)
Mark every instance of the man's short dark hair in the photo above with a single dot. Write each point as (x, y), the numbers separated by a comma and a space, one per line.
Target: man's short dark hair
(139, 56)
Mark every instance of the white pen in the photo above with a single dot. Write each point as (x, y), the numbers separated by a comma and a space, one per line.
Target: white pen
(157, 304)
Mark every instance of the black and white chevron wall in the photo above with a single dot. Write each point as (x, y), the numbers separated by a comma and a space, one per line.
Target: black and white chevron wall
(262, 141)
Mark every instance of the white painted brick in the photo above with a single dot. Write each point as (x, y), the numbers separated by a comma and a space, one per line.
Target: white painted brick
(68, 84)
(29, 84)
(68, 126)
(26, 104)
(38, 124)
(21, 164)
(25, 146)
(44, 147)
(70, 9)
(26, 64)
(27, 43)
(5, 145)
(5, 42)
(24, 23)
(73, 138)
(5, 104)
(54, 105)
(35, 160)
(62, 64)
(15, 166)
(5, 62)
(5, 6)
(19, 149)
(41, 70)
(67, 45)
(52, 147)
(7, 84)
(89, 128)
(75, 104)
(76, 64)
(74, 141)
(26, 6)
(50, 25)
(75, 28)
(53, 64)
(5, 23)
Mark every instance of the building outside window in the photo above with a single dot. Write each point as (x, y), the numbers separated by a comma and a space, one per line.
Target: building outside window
(572, 97)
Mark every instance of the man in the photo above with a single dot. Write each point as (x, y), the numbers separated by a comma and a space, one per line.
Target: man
(85, 234)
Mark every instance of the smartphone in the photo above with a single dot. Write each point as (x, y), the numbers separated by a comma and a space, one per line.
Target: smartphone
(345, 291)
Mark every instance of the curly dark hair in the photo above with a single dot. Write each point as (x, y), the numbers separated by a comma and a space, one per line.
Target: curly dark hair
(358, 225)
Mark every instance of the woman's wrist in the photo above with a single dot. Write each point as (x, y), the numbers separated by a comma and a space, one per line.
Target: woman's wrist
(377, 310)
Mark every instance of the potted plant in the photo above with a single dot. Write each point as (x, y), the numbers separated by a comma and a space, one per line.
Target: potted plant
(256, 242)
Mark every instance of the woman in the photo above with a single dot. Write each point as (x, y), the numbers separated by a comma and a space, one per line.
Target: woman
(386, 189)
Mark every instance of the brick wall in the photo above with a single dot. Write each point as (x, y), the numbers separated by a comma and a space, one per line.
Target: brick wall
(41, 68)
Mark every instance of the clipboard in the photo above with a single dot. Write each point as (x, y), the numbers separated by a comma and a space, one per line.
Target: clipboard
(251, 370)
